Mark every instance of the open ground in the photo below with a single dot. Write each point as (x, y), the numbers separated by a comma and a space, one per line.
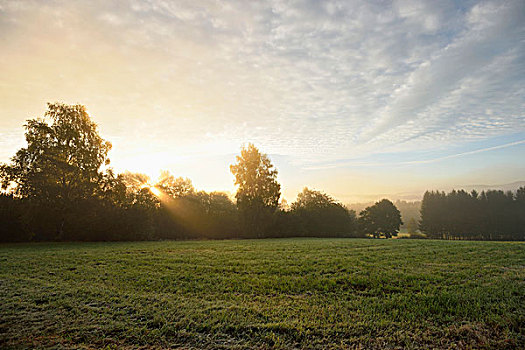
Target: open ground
(278, 293)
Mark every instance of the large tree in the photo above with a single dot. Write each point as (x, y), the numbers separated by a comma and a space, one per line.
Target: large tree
(381, 219)
(317, 214)
(174, 187)
(60, 167)
(258, 192)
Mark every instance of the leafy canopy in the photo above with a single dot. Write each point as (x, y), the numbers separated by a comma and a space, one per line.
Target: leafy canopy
(257, 179)
(62, 158)
(311, 199)
(258, 193)
(381, 219)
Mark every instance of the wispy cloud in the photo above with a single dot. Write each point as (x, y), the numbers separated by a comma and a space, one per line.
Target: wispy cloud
(346, 77)
(307, 79)
(360, 163)
(510, 144)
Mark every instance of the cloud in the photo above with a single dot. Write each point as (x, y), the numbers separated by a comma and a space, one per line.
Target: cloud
(437, 89)
(361, 163)
(457, 155)
(308, 79)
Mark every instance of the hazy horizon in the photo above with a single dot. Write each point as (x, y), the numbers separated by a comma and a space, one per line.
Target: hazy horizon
(358, 99)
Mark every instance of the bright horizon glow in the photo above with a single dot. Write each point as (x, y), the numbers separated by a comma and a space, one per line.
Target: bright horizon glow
(155, 191)
(359, 99)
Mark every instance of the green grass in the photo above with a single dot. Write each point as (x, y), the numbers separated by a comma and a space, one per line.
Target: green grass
(283, 293)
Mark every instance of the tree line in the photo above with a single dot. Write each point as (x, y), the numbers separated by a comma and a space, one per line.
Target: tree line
(60, 188)
(489, 215)
(410, 212)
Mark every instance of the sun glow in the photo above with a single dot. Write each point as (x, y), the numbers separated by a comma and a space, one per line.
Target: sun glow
(156, 192)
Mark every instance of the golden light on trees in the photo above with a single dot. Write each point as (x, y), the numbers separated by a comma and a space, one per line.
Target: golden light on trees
(155, 191)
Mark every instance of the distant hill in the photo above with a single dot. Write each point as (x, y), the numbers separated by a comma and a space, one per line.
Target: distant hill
(504, 187)
(417, 195)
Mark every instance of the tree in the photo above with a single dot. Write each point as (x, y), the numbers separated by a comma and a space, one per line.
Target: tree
(174, 187)
(381, 219)
(258, 192)
(519, 214)
(311, 199)
(432, 222)
(489, 215)
(12, 227)
(214, 215)
(408, 210)
(60, 167)
(412, 226)
(315, 213)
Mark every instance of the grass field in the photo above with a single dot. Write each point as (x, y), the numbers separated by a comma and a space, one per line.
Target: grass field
(283, 293)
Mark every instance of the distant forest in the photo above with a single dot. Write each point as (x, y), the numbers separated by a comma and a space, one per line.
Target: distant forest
(489, 215)
(60, 187)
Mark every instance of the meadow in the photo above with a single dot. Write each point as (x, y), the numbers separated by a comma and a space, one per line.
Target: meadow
(275, 293)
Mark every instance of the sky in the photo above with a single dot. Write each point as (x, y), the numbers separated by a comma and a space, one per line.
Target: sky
(359, 99)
